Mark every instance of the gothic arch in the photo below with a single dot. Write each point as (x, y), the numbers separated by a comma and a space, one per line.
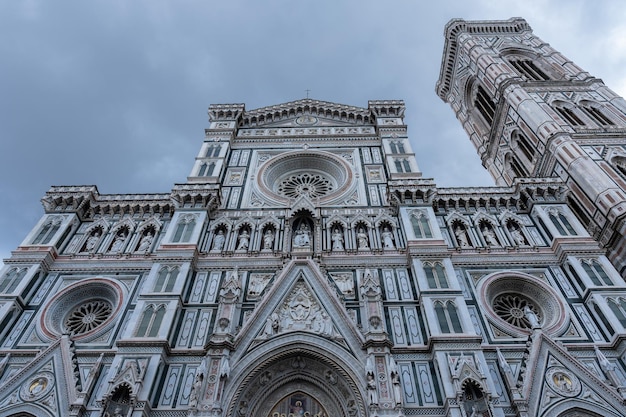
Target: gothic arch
(578, 408)
(297, 362)
(28, 410)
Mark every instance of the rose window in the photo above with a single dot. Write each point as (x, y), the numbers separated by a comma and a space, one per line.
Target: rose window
(311, 185)
(88, 316)
(510, 307)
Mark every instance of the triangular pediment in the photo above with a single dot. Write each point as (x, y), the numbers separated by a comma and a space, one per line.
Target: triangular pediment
(300, 299)
(554, 381)
(46, 385)
(306, 113)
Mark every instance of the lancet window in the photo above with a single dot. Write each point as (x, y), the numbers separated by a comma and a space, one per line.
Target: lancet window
(402, 165)
(396, 147)
(47, 232)
(561, 223)
(595, 271)
(528, 69)
(184, 229)
(485, 105)
(448, 317)
(150, 322)
(166, 279)
(421, 226)
(11, 279)
(435, 275)
(206, 170)
(569, 115)
(596, 115)
(618, 307)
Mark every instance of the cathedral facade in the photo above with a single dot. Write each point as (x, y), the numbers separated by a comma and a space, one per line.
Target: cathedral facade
(306, 268)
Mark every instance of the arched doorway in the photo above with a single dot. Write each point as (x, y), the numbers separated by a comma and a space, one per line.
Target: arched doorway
(297, 383)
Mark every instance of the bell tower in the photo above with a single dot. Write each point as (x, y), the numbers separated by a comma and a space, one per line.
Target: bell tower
(532, 113)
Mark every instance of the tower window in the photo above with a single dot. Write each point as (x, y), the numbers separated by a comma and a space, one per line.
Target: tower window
(184, 228)
(561, 223)
(569, 116)
(618, 307)
(597, 116)
(11, 279)
(485, 105)
(166, 279)
(47, 232)
(402, 165)
(529, 69)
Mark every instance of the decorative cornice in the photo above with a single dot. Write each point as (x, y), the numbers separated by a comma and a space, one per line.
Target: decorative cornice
(455, 28)
(272, 114)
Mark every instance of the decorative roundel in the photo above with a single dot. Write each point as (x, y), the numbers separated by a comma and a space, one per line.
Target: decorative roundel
(513, 300)
(314, 174)
(83, 309)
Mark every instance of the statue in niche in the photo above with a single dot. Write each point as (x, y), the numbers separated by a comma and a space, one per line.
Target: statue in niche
(372, 390)
(272, 325)
(244, 241)
(517, 235)
(489, 235)
(395, 381)
(268, 240)
(302, 239)
(362, 240)
(387, 236)
(257, 284)
(91, 242)
(145, 242)
(118, 241)
(344, 282)
(461, 236)
(337, 238)
(218, 241)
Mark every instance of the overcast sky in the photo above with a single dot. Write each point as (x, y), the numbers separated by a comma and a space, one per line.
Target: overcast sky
(115, 93)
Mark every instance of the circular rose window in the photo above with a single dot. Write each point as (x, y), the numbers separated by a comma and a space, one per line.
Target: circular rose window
(86, 308)
(313, 174)
(515, 303)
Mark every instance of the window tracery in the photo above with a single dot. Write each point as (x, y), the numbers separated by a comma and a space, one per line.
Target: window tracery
(421, 225)
(618, 307)
(184, 229)
(561, 222)
(312, 185)
(11, 279)
(150, 322)
(448, 317)
(435, 275)
(166, 279)
(48, 231)
(88, 316)
(595, 271)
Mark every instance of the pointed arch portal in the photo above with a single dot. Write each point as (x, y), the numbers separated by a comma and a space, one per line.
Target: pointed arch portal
(297, 382)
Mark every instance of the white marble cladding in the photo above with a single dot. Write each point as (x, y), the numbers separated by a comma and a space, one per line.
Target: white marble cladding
(308, 131)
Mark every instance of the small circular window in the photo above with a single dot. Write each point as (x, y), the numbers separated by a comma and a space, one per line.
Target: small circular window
(84, 309)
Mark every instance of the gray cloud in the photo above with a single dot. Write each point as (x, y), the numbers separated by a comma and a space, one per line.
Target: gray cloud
(115, 93)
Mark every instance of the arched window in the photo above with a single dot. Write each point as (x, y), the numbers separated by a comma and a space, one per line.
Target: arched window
(436, 275)
(421, 227)
(561, 223)
(448, 317)
(11, 279)
(184, 229)
(618, 307)
(206, 170)
(150, 322)
(213, 151)
(396, 147)
(47, 232)
(528, 69)
(568, 114)
(620, 165)
(402, 165)
(166, 279)
(485, 105)
(596, 114)
(521, 141)
(595, 271)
